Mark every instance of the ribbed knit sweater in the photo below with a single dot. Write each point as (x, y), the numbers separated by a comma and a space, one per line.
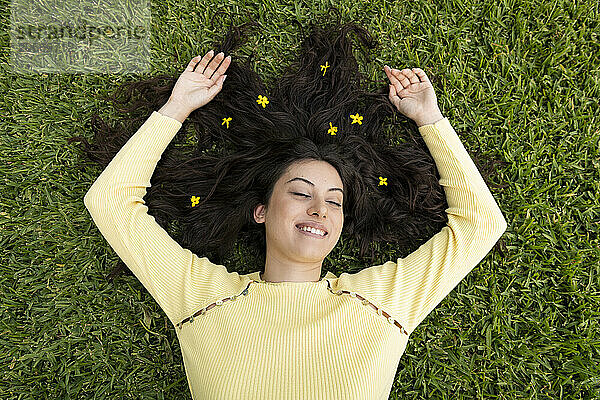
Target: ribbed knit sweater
(338, 338)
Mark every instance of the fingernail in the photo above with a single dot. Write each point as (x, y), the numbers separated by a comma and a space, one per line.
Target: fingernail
(224, 77)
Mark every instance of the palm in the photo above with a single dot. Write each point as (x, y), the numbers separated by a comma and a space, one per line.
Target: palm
(192, 89)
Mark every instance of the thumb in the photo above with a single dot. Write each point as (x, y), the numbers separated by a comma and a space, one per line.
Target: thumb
(393, 96)
(216, 88)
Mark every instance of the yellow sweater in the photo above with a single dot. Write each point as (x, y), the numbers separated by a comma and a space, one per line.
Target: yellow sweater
(339, 338)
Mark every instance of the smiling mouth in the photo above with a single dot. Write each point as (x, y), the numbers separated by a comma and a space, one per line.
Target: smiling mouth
(308, 233)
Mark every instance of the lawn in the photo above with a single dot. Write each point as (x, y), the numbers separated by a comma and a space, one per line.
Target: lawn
(518, 80)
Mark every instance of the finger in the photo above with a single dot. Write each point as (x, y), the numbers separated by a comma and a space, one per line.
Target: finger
(223, 68)
(395, 80)
(401, 78)
(204, 62)
(212, 66)
(422, 75)
(388, 72)
(410, 75)
(399, 93)
(216, 88)
(194, 62)
(393, 95)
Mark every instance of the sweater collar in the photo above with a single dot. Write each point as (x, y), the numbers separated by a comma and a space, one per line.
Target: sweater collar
(256, 277)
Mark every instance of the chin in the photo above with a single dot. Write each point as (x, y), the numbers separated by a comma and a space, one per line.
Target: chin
(311, 256)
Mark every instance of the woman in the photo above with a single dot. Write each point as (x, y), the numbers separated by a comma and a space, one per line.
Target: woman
(283, 333)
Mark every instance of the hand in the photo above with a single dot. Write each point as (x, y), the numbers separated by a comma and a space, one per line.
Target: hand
(195, 88)
(413, 95)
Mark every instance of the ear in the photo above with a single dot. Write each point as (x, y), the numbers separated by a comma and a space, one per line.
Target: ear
(259, 213)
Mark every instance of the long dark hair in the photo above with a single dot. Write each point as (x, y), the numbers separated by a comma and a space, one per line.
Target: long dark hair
(233, 168)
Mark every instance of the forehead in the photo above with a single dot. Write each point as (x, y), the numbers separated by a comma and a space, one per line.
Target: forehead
(318, 172)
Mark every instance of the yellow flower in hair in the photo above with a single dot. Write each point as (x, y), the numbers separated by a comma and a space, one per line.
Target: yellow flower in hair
(226, 121)
(332, 129)
(356, 119)
(382, 181)
(324, 67)
(262, 100)
(195, 200)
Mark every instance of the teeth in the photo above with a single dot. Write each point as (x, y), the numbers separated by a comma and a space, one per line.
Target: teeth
(313, 230)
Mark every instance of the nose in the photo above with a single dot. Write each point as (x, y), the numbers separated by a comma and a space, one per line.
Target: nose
(319, 209)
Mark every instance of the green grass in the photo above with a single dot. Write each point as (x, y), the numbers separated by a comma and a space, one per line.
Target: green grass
(519, 82)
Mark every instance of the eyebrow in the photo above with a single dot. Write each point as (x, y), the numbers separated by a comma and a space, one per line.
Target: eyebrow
(312, 184)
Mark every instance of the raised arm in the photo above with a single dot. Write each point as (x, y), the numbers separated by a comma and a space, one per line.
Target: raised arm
(175, 277)
(409, 289)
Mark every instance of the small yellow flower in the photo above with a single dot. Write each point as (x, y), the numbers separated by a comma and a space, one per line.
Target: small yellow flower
(356, 119)
(332, 129)
(195, 200)
(226, 121)
(262, 100)
(382, 181)
(324, 67)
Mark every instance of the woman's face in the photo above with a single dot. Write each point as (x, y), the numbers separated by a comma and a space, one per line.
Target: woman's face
(308, 193)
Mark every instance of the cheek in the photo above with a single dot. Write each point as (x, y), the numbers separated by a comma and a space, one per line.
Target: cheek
(341, 223)
(284, 214)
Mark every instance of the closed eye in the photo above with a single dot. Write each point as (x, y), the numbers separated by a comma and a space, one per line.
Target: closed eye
(305, 195)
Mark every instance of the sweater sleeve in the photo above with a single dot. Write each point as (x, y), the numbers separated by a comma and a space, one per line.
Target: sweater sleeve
(175, 277)
(409, 288)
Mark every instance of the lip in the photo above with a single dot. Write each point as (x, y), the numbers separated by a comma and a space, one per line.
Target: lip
(314, 225)
(311, 234)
